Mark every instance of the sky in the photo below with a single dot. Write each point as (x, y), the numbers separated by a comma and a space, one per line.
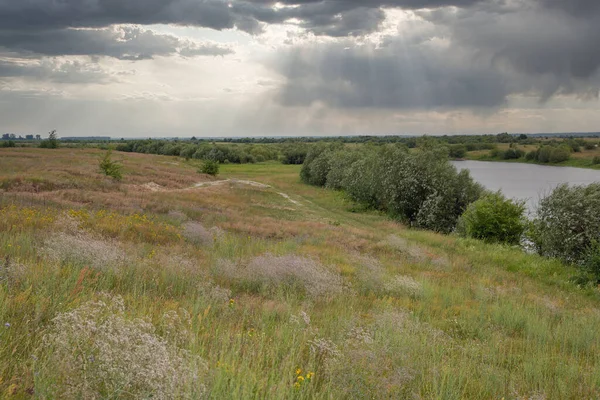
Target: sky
(212, 68)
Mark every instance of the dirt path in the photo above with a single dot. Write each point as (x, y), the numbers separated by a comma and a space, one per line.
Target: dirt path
(153, 187)
(239, 181)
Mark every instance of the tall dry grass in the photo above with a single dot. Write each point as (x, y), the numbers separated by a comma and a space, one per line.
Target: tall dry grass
(316, 303)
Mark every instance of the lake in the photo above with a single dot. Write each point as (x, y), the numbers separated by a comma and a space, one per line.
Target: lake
(526, 181)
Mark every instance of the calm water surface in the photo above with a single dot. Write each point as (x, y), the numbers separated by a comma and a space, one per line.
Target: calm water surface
(526, 181)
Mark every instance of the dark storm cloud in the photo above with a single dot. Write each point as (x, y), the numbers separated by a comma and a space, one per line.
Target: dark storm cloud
(575, 7)
(556, 49)
(44, 14)
(323, 17)
(126, 43)
(336, 18)
(44, 29)
(401, 75)
(406, 4)
(456, 58)
(327, 17)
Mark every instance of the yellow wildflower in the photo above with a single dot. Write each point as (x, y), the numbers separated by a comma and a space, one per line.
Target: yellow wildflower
(298, 371)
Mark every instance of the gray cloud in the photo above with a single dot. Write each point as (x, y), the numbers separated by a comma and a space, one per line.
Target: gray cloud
(127, 43)
(40, 29)
(456, 58)
(337, 18)
(557, 51)
(43, 14)
(55, 71)
(204, 49)
(574, 7)
(401, 75)
(323, 17)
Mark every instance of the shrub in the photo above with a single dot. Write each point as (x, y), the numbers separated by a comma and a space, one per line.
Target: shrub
(512, 154)
(319, 169)
(589, 145)
(316, 165)
(457, 151)
(216, 155)
(294, 154)
(209, 167)
(568, 223)
(425, 190)
(188, 151)
(494, 218)
(362, 180)
(125, 147)
(574, 145)
(543, 154)
(111, 168)
(8, 143)
(340, 163)
(596, 160)
(559, 154)
(531, 156)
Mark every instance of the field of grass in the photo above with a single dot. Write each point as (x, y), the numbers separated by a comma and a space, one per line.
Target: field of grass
(151, 287)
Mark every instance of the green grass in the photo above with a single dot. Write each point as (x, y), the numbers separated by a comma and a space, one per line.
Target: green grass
(466, 320)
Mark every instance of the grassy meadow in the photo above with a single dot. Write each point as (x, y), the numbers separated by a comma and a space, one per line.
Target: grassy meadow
(252, 285)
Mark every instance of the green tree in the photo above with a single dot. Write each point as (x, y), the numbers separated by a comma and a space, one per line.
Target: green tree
(51, 142)
(111, 168)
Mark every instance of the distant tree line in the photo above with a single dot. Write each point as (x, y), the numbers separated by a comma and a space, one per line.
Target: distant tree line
(409, 141)
(287, 153)
(553, 151)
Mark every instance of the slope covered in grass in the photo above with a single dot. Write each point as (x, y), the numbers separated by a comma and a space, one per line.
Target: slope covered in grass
(280, 291)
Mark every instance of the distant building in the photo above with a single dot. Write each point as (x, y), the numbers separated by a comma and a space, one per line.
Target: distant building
(29, 137)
